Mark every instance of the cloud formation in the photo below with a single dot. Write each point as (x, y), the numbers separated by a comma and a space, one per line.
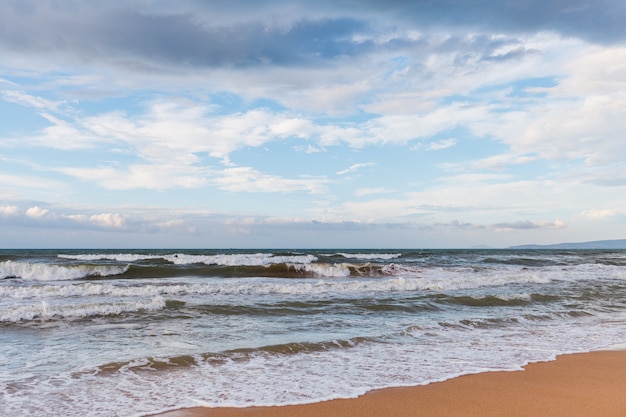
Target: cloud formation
(278, 32)
(38, 217)
(465, 119)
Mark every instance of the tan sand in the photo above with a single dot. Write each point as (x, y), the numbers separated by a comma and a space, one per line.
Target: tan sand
(579, 385)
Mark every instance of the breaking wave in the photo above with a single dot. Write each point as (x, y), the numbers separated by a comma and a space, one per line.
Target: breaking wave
(45, 311)
(48, 272)
(370, 256)
(237, 259)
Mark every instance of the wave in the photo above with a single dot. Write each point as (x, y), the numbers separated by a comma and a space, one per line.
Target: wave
(264, 286)
(121, 257)
(525, 261)
(354, 270)
(370, 256)
(46, 272)
(256, 259)
(489, 300)
(324, 270)
(275, 270)
(95, 289)
(240, 355)
(351, 276)
(44, 311)
(236, 259)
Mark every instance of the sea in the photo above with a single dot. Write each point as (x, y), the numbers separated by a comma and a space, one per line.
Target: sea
(133, 332)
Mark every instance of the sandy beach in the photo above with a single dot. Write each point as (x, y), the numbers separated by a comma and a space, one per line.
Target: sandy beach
(578, 385)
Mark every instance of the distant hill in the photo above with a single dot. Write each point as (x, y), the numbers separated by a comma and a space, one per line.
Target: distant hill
(596, 244)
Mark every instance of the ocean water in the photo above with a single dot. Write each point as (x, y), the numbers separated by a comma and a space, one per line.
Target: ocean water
(132, 332)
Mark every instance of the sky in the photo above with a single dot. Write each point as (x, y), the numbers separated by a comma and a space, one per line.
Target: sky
(299, 124)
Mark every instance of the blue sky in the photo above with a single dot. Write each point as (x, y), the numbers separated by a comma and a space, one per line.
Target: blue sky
(311, 124)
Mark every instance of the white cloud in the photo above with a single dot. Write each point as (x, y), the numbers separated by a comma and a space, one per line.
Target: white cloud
(20, 97)
(154, 177)
(369, 191)
(442, 144)
(37, 183)
(288, 127)
(597, 70)
(37, 212)
(334, 99)
(105, 220)
(583, 117)
(590, 129)
(393, 86)
(403, 103)
(479, 198)
(404, 128)
(64, 135)
(170, 224)
(500, 162)
(5, 81)
(599, 214)
(39, 217)
(172, 132)
(310, 149)
(355, 167)
(171, 136)
(9, 211)
(527, 225)
(247, 179)
(163, 177)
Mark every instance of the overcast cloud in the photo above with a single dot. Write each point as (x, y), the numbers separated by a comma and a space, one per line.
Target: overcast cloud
(281, 123)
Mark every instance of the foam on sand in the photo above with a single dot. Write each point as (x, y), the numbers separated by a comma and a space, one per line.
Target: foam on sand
(581, 385)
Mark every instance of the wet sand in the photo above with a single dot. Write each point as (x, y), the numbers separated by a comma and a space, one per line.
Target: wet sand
(579, 385)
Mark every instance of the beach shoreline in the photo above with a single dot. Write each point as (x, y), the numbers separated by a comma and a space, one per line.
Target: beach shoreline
(574, 385)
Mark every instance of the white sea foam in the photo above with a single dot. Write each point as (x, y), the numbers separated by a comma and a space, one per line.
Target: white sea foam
(323, 269)
(252, 259)
(47, 272)
(237, 259)
(121, 257)
(47, 311)
(465, 277)
(90, 289)
(371, 256)
(233, 259)
(269, 379)
(404, 279)
(87, 290)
